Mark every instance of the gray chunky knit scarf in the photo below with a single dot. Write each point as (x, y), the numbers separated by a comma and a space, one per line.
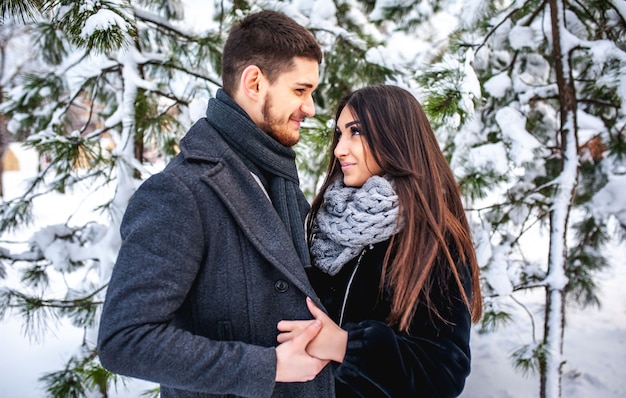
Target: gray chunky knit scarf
(351, 219)
(272, 162)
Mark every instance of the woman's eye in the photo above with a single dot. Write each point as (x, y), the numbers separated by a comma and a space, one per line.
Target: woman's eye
(355, 131)
(338, 134)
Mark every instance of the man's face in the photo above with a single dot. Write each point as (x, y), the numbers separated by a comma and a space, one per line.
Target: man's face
(289, 100)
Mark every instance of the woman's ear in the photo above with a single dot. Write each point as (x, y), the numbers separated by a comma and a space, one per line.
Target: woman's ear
(251, 78)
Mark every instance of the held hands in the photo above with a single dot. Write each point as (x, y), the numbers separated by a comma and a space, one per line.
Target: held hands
(329, 344)
(293, 363)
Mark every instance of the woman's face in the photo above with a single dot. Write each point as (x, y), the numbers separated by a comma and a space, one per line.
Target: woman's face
(352, 151)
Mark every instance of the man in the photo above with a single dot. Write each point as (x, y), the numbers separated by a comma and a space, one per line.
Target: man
(214, 252)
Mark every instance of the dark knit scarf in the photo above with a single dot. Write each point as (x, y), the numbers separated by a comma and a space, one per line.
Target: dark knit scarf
(273, 163)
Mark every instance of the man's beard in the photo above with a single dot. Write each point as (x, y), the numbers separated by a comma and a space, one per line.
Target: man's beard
(274, 128)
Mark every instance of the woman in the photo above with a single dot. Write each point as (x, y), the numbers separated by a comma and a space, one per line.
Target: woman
(394, 263)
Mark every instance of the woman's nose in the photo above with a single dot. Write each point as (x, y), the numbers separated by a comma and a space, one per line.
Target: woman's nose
(341, 149)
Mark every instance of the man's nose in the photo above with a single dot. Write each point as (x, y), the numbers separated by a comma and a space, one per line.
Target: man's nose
(308, 106)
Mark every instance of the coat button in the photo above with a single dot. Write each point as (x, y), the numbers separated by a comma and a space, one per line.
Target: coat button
(281, 286)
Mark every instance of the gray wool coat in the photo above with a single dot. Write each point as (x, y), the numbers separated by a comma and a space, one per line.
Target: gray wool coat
(205, 272)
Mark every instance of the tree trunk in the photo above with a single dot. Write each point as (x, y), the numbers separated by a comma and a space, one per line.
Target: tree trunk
(5, 138)
(556, 281)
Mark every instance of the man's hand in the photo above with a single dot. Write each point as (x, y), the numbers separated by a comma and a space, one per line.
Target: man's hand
(293, 363)
(329, 344)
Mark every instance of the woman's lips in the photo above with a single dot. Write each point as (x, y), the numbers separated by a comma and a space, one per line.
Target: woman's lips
(345, 166)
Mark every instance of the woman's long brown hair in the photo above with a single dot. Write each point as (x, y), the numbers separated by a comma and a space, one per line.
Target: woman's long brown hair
(435, 239)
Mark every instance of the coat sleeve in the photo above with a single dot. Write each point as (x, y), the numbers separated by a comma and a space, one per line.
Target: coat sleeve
(162, 250)
(433, 360)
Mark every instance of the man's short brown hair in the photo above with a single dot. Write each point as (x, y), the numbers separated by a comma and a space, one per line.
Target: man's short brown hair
(269, 40)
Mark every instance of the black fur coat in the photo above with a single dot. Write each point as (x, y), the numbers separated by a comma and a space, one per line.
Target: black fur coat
(433, 360)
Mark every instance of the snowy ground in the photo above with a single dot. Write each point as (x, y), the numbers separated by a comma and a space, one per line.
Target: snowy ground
(595, 341)
(594, 350)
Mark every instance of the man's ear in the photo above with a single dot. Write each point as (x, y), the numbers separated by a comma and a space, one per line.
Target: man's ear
(251, 78)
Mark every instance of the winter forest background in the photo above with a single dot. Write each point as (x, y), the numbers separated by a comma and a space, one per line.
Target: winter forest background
(526, 97)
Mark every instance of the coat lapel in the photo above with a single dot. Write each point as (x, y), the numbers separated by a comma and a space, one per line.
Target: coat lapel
(237, 188)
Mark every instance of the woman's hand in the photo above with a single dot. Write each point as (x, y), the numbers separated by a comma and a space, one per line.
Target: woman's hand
(293, 363)
(329, 344)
